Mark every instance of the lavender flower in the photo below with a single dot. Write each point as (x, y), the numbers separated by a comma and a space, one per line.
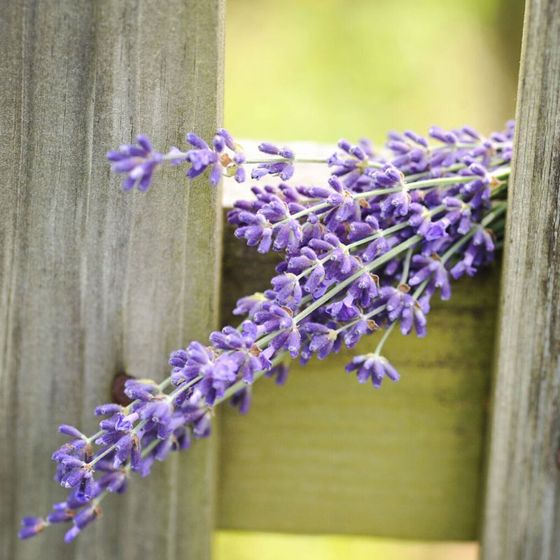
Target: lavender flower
(31, 526)
(374, 367)
(137, 162)
(283, 166)
(362, 253)
(224, 157)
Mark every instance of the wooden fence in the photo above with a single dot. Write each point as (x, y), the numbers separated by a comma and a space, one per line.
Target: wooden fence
(93, 282)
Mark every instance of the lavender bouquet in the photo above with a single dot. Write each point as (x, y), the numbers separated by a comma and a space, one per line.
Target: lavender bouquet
(364, 252)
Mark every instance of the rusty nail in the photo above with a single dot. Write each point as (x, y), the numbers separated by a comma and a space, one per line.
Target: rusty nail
(118, 395)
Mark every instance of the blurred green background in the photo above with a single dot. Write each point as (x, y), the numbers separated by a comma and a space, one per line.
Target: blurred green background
(324, 69)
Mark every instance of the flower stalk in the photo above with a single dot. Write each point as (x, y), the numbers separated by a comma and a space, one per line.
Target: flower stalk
(364, 252)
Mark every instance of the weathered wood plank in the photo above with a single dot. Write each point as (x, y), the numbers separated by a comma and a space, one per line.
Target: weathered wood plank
(93, 280)
(324, 454)
(522, 509)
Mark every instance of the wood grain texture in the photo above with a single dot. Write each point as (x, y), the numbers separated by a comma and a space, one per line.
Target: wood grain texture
(324, 454)
(93, 280)
(522, 510)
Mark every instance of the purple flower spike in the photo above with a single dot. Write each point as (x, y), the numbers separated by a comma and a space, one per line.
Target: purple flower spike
(71, 431)
(322, 339)
(242, 400)
(364, 251)
(201, 157)
(433, 269)
(443, 135)
(31, 526)
(267, 148)
(373, 367)
(283, 168)
(137, 162)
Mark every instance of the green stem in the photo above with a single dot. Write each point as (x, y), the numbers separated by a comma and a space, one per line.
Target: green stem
(384, 338)
(373, 237)
(406, 266)
(340, 286)
(420, 289)
(166, 382)
(98, 458)
(405, 186)
(369, 315)
(367, 268)
(418, 185)
(377, 235)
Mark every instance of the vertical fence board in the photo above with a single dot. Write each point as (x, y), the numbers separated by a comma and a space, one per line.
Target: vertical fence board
(93, 280)
(522, 510)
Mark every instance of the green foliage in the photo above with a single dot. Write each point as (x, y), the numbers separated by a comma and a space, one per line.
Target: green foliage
(302, 69)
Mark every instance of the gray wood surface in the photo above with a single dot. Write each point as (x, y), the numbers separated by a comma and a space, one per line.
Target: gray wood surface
(522, 511)
(94, 280)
